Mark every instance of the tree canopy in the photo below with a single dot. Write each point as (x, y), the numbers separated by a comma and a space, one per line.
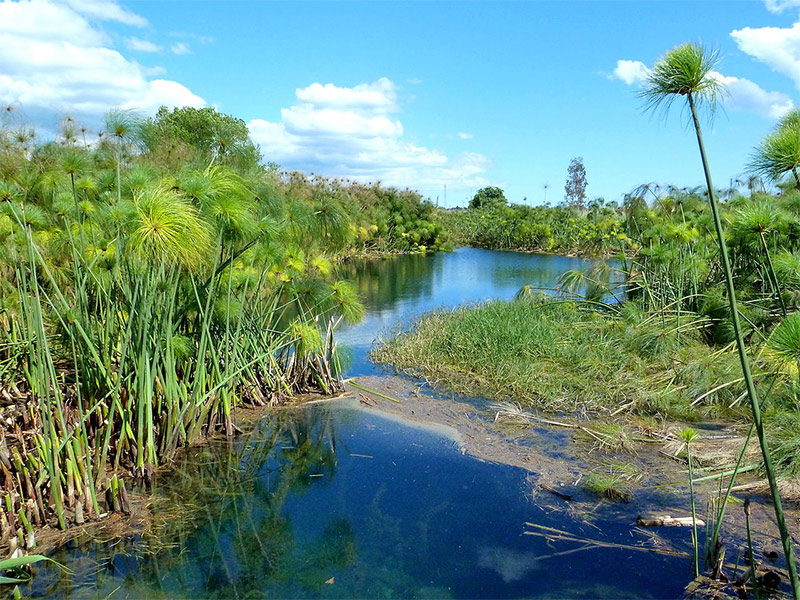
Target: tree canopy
(488, 197)
(575, 188)
(210, 136)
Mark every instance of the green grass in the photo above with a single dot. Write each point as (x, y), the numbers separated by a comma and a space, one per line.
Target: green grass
(560, 356)
(611, 486)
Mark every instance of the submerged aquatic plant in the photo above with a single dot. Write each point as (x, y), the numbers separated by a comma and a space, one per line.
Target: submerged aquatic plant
(688, 72)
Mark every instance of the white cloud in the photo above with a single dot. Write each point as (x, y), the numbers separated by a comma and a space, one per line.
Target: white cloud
(106, 10)
(380, 96)
(777, 47)
(742, 94)
(345, 132)
(630, 71)
(465, 136)
(180, 48)
(46, 20)
(140, 45)
(778, 6)
(54, 60)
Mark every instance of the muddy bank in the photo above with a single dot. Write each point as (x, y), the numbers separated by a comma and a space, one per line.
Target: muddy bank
(560, 455)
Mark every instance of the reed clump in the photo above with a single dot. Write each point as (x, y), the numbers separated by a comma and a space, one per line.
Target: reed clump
(153, 282)
(563, 356)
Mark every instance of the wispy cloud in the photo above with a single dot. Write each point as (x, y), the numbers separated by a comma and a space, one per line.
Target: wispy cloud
(140, 45)
(180, 48)
(196, 37)
(106, 10)
(778, 6)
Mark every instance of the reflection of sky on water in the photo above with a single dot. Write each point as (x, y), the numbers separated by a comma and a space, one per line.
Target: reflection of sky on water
(376, 508)
(398, 288)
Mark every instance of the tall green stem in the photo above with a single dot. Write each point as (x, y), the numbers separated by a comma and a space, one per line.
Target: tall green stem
(772, 274)
(695, 539)
(786, 538)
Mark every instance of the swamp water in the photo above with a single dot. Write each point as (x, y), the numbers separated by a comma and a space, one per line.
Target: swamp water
(334, 501)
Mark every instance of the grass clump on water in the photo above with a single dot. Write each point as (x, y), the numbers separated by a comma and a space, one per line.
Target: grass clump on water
(561, 356)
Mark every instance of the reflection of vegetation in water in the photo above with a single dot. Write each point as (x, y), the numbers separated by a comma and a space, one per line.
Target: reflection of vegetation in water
(380, 282)
(232, 539)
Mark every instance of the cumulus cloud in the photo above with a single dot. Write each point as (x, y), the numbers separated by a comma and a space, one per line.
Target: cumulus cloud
(742, 94)
(347, 132)
(777, 47)
(464, 135)
(378, 97)
(630, 71)
(54, 59)
(180, 48)
(140, 45)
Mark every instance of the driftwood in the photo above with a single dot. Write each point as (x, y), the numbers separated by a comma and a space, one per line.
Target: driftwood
(662, 520)
(555, 492)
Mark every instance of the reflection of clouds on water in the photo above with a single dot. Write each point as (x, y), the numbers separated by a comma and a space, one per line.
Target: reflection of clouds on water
(511, 565)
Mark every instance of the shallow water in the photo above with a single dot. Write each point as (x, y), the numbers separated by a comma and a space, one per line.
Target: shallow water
(335, 502)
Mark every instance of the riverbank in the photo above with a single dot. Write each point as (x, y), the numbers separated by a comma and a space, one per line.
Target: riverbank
(562, 459)
(565, 358)
(566, 459)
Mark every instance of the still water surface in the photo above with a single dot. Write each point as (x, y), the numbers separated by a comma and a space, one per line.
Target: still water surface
(395, 289)
(334, 502)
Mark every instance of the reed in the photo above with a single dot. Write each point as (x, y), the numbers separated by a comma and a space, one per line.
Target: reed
(142, 319)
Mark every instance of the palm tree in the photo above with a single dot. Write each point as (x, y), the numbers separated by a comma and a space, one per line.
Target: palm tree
(688, 71)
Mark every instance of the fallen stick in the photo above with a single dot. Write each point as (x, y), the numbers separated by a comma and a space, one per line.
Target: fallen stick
(555, 492)
(662, 520)
(364, 388)
(599, 544)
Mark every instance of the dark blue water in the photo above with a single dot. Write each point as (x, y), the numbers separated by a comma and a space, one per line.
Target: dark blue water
(339, 503)
(395, 289)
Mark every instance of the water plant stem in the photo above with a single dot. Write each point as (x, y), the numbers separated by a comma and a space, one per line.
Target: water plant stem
(786, 539)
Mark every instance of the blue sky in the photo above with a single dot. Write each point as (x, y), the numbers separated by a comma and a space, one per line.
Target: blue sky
(417, 94)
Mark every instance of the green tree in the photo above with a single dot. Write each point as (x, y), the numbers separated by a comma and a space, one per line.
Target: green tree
(213, 136)
(488, 197)
(575, 188)
(688, 71)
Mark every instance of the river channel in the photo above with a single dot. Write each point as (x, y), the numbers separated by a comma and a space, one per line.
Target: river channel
(332, 501)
